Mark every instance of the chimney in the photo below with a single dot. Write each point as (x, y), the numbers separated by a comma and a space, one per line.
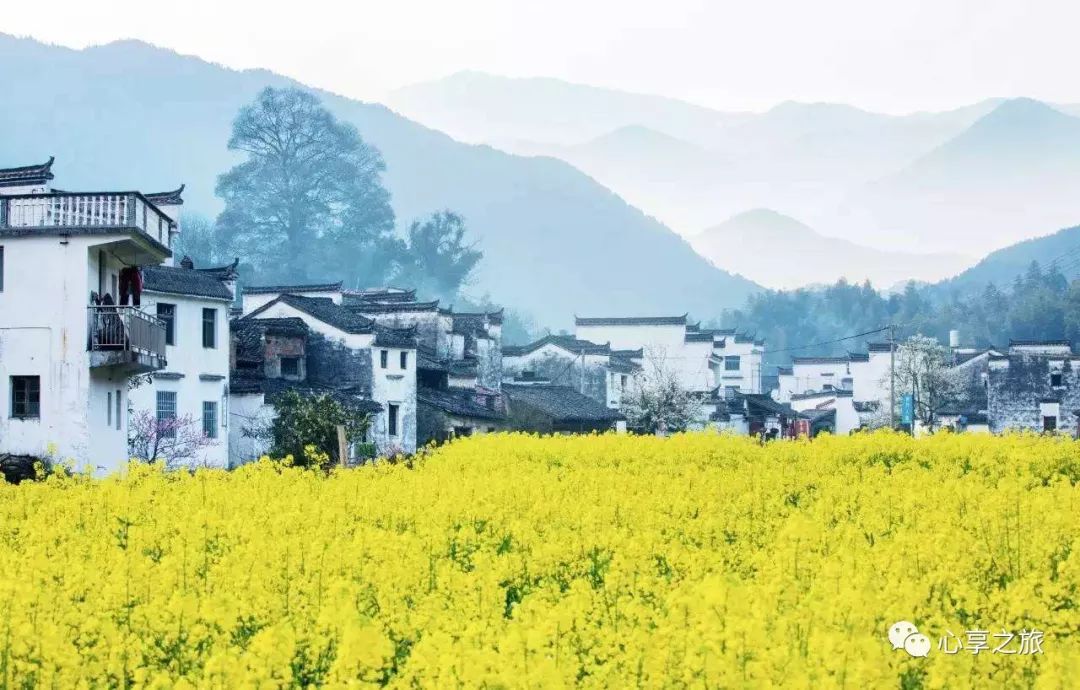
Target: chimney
(954, 338)
(187, 263)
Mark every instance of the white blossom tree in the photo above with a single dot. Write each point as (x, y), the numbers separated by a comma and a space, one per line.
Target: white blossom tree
(657, 402)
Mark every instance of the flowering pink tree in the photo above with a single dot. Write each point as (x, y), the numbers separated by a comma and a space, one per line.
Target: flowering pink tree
(175, 440)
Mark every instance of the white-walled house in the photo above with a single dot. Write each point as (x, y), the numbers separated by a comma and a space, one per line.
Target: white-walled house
(65, 359)
(193, 303)
(344, 351)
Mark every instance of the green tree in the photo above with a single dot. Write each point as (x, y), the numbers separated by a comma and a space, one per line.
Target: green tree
(305, 421)
(437, 258)
(308, 202)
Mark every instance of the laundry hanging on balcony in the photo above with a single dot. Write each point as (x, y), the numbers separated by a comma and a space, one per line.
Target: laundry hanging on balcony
(131, 284)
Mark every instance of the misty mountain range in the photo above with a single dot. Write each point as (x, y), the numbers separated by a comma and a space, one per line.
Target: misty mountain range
(128, 115)
(955, 184)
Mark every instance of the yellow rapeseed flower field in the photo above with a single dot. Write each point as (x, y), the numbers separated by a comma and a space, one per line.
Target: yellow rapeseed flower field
(698, 561)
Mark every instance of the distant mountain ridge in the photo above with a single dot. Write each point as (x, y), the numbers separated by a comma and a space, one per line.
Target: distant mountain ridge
(129, 115)
(780, 252)
(963, 181)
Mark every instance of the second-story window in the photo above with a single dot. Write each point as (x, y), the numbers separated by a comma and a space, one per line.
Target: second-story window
(384, 359)
(404, 359)
(731, 363)
(209, 327)
(167, 314)
(290, 367)
(1, 269)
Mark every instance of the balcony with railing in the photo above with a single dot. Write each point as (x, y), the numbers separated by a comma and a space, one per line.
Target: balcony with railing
(85, 211)
(125, 337)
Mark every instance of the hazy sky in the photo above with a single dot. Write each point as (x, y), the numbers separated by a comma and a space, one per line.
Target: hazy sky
(893, 56)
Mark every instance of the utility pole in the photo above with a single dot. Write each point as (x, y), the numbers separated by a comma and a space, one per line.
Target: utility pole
(892, 376)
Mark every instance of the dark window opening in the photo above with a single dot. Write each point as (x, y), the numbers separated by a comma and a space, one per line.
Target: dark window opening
(1, 269)
(167, 314)
(26, 397)
(209, 327)
(731, 363)
(290, 367)
(391, 419)
(1049, 423)
(384, 359)
(1055, 380)
(462, 431)
(404, 360)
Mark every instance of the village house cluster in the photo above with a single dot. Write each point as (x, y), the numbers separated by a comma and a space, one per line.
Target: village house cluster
(100, 326)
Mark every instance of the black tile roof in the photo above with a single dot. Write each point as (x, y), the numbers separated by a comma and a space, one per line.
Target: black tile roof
(1039, 343)
(27, 174)
(631, 320)
(243, 384)
(463, 367)
(878, 347)
(292, 289)
(757, 403)
(427, 359)
(699, 337)
(566, 342)
(784, 371)
(560, 403)
(176, 280)
(835, 393)
(404, 338)
(461, 403)
(471, 324)
(382, 294)
(629, 354)
(364, 306)
(172, 198)
(819, 360)
(324, 309)
(859, 356)
(623, 365)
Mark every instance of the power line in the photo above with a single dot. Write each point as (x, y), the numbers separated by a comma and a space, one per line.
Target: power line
(831, 342)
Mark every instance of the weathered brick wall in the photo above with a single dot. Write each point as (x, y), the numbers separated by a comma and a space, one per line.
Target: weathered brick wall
(331, 363)
(278, 346)
(1018, 386)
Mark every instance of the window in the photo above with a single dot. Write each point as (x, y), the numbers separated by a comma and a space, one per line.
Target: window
(731, 363)
(384, 357)
(26, 397)
(404, 359)
(1055, 380)
(117, 399)
(108, 409)
(622, 380)
(391, 419)
(1049, 424)
(1, 269)
(290, 367)
(209, 327)
(462, 431)
(209, 419)
(166, 413)
(167, 314)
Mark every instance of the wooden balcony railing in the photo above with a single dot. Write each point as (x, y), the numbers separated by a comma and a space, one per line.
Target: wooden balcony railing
(105, 210)
(126, 329)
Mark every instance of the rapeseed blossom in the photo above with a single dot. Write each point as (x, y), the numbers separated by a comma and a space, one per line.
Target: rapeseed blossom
(514, 561)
